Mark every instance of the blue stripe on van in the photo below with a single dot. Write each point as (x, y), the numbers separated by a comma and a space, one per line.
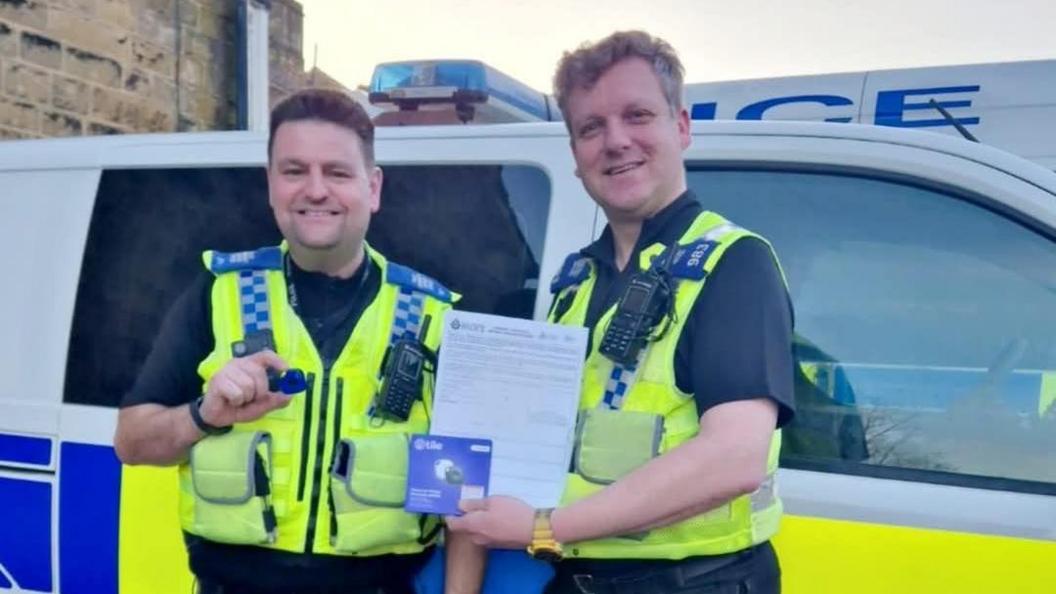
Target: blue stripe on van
(23, 449)
(89, 504)
(25, 539)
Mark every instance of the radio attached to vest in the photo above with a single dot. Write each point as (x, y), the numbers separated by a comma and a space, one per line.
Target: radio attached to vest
(403, 371)
(647, 300)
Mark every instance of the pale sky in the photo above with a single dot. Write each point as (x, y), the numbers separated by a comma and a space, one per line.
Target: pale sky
(717, 40)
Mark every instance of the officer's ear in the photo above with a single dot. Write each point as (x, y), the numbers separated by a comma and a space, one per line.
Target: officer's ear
(375, 182)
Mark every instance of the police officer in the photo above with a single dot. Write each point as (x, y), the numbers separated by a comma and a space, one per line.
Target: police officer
(689, 373)
(263, 385)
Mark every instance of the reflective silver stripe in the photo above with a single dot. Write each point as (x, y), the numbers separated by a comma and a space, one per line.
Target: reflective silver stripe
(765, 496)
(715, 233)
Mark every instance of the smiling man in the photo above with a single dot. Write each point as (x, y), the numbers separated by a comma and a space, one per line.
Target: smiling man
(688, 376)
(268, 501)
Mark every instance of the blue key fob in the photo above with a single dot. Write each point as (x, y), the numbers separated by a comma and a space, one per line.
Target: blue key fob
(291, 382)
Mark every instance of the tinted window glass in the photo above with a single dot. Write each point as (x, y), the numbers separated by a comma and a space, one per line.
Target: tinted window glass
(925, 327)
(478, 229)
(148, 230)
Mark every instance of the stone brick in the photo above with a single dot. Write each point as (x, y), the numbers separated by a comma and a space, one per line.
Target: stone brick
(32, 13)
(155, 119)
(60, 124)
(116, 107)
(192, 71)
(131, 112)
(84, 8)
(71, 94)
(9, 134)
(186, 124)
(96, 36)
(188, 13)
(8, 41)
(41, 50)
(152, 57)
(137, 81)
(217, 20)
(93, 67)
(26, 82)
(154, 20)
(19, 114)
(97, 129)
(116, 12)
(162, 91)
(163, 8)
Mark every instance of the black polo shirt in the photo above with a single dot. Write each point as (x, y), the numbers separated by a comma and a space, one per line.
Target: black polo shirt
(330, 308)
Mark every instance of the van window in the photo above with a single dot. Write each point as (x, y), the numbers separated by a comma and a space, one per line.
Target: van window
(148, 230)
(478, 229)
(925, 333)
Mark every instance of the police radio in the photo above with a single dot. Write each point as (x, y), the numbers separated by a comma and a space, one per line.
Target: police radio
(646, 301)
(403, 370)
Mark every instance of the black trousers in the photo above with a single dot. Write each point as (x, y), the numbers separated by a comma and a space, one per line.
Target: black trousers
(752, 571)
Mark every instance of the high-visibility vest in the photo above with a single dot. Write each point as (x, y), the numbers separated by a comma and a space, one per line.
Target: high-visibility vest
(320, 475)
(630, 415)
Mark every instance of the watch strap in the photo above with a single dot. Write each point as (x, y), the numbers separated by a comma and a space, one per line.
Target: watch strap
(196, 416)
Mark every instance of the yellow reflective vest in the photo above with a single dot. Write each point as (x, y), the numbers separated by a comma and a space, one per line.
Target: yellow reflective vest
(627, 417)
(320, 475)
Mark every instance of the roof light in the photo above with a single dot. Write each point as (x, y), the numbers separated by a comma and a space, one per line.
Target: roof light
(476, 92)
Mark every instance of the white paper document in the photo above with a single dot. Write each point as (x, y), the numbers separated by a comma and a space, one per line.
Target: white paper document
(515, 382)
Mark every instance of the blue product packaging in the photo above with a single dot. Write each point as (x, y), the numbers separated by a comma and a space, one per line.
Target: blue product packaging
(443, 470)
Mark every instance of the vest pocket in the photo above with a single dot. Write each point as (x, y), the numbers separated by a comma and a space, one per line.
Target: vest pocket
(230, 476)
(612, 443)
(368, 484)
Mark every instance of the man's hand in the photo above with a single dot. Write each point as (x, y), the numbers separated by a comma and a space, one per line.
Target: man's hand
(497, 522)
(238, 393)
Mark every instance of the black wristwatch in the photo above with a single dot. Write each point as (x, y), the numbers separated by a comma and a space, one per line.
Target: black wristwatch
(206, 428)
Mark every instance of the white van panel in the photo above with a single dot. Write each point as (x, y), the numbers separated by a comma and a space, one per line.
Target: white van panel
(44, 217)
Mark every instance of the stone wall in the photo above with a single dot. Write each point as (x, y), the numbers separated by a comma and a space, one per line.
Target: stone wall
(77, 67)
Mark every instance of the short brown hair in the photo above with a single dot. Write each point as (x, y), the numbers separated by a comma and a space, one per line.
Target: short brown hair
(325, 105)
(581, 69)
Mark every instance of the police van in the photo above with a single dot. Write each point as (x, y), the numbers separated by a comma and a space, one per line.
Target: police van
(922, 268)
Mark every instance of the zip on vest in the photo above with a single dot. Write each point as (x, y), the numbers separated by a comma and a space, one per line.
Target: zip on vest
(336, 441)
(306, 435)
(320, 444)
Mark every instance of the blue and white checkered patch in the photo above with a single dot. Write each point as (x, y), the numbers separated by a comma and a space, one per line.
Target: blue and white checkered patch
(253, 295)
(408, 316)
(619, 385)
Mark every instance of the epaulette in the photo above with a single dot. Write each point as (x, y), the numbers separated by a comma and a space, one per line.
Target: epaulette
(266, 258)
(416, 281)
(574, 271)
(689, 259)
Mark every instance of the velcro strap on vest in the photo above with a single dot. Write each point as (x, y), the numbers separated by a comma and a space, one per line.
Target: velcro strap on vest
(689, 260)
(266, 258)
(414, 281)
(574, 271)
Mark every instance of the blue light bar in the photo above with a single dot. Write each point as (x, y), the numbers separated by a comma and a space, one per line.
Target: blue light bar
(409, 84)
